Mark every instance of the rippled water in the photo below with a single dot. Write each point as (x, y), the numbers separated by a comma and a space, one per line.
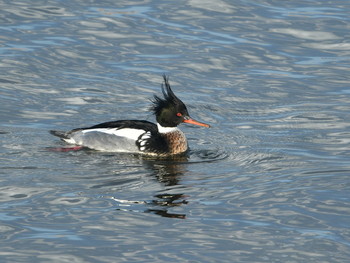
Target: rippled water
(269, 182)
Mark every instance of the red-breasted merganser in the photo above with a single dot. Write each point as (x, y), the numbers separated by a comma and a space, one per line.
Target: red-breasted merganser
(139, 136)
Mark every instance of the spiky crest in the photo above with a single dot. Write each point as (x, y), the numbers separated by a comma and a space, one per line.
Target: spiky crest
(169, 98)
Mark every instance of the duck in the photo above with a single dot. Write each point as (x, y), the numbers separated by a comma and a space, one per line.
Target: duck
(162, 138)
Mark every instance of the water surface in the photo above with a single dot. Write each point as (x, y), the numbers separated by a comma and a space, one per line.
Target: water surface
(269, 182)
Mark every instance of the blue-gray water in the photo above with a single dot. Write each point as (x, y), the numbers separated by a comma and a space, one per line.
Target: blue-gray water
(269, 182)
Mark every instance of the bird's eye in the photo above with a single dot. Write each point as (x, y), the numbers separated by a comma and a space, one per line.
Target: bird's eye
(179, 114)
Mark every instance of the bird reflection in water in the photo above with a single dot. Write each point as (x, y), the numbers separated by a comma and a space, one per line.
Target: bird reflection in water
(166, 201)
(167, 172)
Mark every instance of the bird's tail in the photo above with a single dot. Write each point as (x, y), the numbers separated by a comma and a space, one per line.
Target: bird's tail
(60, 134)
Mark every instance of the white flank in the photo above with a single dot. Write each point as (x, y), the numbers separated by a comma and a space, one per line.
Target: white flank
(129, 133)
(162, 129)
(70, 140)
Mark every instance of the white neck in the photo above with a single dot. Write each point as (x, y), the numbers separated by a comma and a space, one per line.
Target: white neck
(162, 129)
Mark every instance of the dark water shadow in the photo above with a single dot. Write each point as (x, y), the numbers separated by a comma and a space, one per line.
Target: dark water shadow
(168, 172)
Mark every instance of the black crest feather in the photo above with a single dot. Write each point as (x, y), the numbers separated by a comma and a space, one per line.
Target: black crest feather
(169, 98)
